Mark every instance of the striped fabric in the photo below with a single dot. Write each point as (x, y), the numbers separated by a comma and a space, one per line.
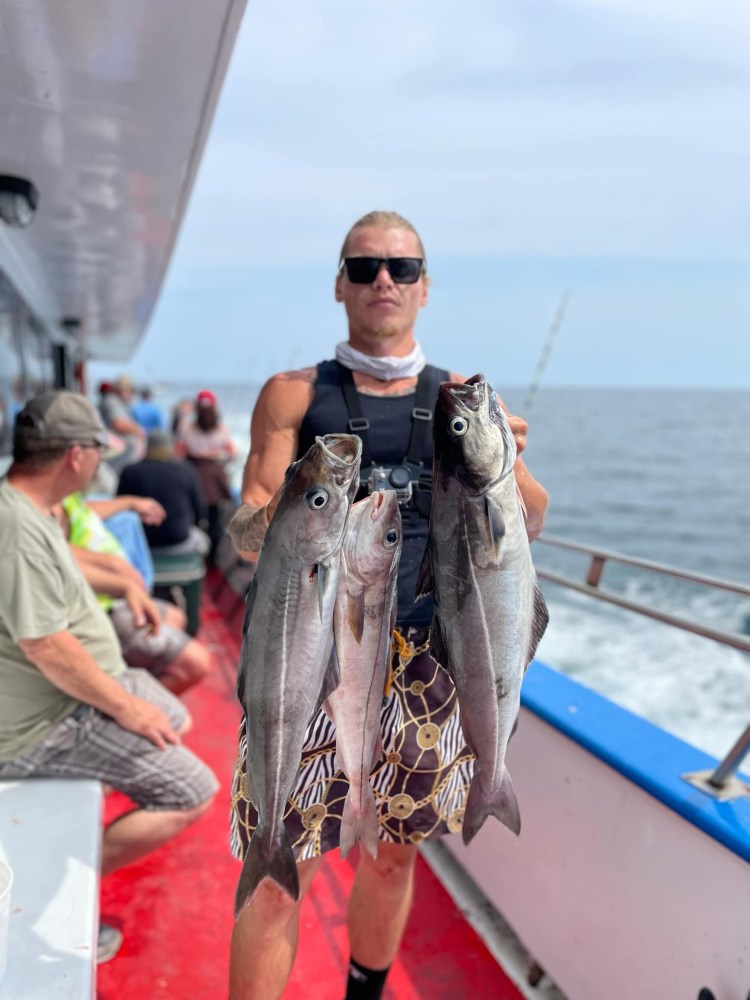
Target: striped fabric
(89, 744)
(420, 786)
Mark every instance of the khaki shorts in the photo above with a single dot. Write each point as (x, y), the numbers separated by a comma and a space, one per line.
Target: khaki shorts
(89, 744)
(142, 649)
(420, 786)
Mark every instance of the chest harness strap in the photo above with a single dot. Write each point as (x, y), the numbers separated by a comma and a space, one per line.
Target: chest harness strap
(406, 477)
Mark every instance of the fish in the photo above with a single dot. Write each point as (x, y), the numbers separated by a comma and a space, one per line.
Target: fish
(363, 621)
(489, 613)
(286, 668)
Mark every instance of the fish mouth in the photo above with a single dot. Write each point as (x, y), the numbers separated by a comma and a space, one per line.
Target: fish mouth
(378, 498)
(345, 448)
(471, 394)
(382, 503)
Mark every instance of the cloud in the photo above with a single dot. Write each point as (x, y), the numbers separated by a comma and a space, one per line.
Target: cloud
(584, 133)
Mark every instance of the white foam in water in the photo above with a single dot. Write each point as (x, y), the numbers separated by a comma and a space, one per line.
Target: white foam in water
(690, 686)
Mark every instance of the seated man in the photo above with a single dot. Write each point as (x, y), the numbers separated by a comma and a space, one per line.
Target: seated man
(69, 705)
(175, 485)
(151, 632)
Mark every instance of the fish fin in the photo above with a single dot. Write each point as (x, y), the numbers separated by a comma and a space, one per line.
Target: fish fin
(251, 794)
(538, 623)
(241, 671)
(355, 613)
(515, 727)
(275, 861)
(242, 667)
(495, 522)
(249, 605)
(438, 647)
(360, 826)
(425, 584)
(331, 680)
(384, 662)
(327, 577)
(500, 802)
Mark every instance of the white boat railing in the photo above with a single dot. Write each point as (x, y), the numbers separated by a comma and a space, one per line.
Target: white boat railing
(720, 782)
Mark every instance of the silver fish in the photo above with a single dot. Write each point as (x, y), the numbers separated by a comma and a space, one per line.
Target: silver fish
(363, 625)
(286, 669)
(489, 612)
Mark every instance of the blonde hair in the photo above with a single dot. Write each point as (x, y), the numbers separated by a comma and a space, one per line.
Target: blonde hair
(385, 220)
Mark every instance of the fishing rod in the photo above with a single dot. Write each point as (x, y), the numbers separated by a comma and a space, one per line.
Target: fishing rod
(541, 364)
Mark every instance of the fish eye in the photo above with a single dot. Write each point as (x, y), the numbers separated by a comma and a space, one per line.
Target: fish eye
(317, 498)
(458, 426)
(390, 538)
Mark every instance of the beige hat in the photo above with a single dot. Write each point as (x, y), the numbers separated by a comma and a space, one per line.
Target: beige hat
(124, 382)
(59, 415)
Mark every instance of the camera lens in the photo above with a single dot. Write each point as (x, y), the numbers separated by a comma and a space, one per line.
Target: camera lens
(399, 478)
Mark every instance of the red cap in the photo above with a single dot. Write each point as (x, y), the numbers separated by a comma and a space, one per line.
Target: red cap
(206, 398)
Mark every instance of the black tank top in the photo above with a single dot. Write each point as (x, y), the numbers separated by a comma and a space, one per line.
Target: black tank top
(389, 433)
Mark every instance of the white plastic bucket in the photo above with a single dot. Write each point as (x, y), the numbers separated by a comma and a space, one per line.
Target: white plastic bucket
(6, 881)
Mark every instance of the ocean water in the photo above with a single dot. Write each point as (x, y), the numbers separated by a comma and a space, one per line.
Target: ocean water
(658, 474)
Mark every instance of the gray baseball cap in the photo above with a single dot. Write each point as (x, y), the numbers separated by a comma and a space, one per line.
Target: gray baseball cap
(59, 415)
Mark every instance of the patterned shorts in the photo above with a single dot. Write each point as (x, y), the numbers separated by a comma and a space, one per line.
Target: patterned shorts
(89, 744)
(420, 786)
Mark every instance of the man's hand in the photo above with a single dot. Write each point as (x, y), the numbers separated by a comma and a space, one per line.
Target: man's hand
(145, 612)
(519, 428)
(149, 510)
(141, 717)
(247, 529)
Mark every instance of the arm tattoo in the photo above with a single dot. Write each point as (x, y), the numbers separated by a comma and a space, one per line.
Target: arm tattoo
(248, 527)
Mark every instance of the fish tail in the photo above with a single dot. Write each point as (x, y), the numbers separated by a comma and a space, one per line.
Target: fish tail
(274, 860)
(360, 826)
(499, 801)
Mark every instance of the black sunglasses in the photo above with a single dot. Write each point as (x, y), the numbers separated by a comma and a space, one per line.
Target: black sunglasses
(364, 270)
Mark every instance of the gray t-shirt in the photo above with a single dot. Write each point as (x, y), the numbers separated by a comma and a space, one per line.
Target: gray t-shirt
(41, 592)
(113, 407)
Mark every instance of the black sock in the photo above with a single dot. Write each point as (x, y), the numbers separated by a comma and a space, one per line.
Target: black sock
(364, 983)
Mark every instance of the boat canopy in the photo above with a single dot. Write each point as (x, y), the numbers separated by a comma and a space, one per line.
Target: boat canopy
(105, 108)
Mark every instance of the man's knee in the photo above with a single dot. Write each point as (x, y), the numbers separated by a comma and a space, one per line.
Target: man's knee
(198, 659)
(185, 726)
(186, 785)
(270, 906)
(189, 667)
(191, 815)
(174, 616)
(394, 862)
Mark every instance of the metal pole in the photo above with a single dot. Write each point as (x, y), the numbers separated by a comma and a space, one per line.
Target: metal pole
(732, 761)
(541, 364)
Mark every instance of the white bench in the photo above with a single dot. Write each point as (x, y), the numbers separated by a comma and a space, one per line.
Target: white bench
(50, 835)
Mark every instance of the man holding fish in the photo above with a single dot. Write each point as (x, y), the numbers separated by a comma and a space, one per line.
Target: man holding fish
(380, 389)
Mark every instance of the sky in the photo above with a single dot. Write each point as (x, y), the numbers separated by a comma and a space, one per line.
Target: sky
(599, 148)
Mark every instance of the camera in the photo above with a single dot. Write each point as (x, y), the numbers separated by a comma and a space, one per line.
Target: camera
(397, 478)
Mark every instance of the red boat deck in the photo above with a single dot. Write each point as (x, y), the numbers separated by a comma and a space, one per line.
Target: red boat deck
(175, 907)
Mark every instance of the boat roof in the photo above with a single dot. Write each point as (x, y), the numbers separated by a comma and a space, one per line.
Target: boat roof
(106, 109)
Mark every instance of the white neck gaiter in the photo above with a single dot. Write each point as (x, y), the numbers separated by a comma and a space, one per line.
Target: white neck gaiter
(387, 368)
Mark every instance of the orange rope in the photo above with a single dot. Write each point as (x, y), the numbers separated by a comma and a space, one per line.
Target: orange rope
(400, 647)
